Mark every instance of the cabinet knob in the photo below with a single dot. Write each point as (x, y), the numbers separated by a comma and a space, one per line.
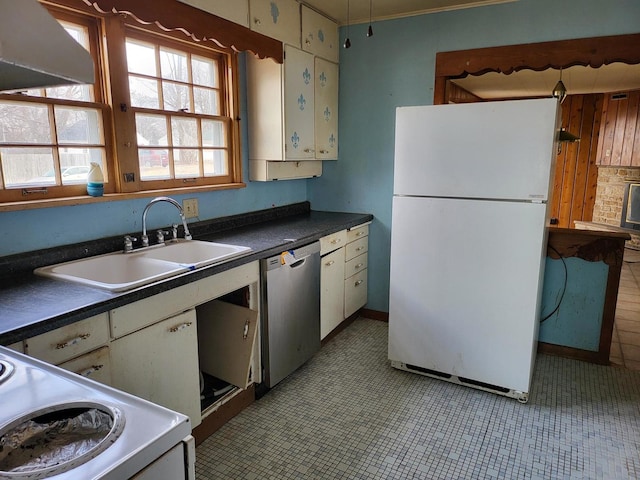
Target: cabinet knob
(73, 341)
(328, 264)
(257, 21)
(358, 283)
(182, 326)
(90, 371)
(359, 265)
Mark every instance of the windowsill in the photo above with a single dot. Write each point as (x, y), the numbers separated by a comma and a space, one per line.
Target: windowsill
(109, 197)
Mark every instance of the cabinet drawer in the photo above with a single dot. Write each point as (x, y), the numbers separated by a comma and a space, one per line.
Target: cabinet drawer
(70, 341)
(333, 242)
(18, 347)
(357, 232)
(95, 365)
(355, 293)
(356, 248)
(355, 265)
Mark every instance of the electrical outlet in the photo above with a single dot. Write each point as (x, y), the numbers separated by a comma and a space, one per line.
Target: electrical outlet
(190, 207)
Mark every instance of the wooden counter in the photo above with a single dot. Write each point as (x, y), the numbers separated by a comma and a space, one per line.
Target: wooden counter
(589, 246)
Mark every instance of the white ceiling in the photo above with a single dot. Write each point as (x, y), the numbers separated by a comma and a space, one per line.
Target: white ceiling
(609, 78)
(616, 77)
(386, 9)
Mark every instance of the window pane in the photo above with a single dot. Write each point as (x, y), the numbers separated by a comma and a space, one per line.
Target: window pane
(154, 163)
(186, 163)
(173, 65)
(151, 130)
(72, 92)
(24, 123)
(215, 162)
(204, 71)
(144, 92)
(206, 101)
(213, 133)
(184, 131)
(74, 163)
(176, 97)
(78, 125)
(28, 166)
(141, 58)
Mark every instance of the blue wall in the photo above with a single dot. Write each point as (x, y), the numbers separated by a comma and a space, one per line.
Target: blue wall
(27, 230)
(395, 67)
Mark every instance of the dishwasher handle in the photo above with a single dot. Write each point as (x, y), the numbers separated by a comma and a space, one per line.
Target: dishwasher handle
(298, 263)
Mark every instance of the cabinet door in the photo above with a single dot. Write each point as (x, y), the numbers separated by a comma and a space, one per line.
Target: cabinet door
(160, 363)
(226, 340)
(299, 105)
(319, 35)
(355, 293)
(279, 19)
(331, 291)
(326, 109)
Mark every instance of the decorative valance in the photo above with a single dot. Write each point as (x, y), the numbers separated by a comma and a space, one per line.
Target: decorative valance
(172, 15)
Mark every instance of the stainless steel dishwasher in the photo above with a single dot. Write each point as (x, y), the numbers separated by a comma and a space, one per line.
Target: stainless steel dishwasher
(290, 311)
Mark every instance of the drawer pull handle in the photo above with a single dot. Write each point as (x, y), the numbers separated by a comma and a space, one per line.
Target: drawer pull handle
(359, 234)
(358, 283)
(335, 240)
(359, 265)
(73, 341)
(359, 248)
(245, 331)
(182, 326)
(90, 371)
(329, 263)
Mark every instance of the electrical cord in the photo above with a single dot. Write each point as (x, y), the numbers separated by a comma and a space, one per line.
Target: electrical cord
(564, 286)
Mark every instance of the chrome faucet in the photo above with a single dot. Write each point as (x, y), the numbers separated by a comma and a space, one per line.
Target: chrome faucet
(145, 238)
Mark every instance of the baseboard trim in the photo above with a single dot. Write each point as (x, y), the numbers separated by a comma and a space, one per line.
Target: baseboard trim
(374, 314)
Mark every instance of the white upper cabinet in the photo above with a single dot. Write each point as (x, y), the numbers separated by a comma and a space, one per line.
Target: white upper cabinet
(320, 35)
(299, 104)
(279, 19)
(326, 109)
(281, 107)
(236, 11)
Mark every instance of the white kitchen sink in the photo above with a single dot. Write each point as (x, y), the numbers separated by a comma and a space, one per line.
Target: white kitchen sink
(119, 271)
(195, 253)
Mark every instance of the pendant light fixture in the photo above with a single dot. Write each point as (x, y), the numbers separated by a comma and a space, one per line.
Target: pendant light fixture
(370, 31)
(559, 91)
(347, 42)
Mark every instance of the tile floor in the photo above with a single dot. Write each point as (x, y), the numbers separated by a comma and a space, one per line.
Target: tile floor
(346, 414)
(625, 344)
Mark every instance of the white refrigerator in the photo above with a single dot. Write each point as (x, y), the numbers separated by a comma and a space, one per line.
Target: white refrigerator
(468, 240)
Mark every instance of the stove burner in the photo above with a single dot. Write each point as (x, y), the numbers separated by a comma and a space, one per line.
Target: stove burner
(6, 369)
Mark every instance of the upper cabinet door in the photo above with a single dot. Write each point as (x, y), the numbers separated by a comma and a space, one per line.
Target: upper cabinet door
(320, 35)
(279, 19)
(326, 109)
(236, 11)
(299, 104)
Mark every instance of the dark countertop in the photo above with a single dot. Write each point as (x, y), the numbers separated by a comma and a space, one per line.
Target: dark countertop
(31, 305)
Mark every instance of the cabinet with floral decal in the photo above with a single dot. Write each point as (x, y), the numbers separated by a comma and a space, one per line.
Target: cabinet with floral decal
(281, 117)
(279, 19)
(326, 109)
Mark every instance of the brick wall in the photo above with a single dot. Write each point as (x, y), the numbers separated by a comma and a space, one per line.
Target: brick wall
(609, 196)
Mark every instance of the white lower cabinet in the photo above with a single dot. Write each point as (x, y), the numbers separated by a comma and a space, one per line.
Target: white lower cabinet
(343, 276)
(356, 260)
(331, 291)
(160, 363)
(81, 347)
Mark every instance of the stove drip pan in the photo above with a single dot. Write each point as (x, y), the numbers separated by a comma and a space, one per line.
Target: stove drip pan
(6, 369)
(56, 439)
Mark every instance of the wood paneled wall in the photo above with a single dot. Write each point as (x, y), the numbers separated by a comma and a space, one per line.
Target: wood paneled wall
(576, 175)
(620, 130)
